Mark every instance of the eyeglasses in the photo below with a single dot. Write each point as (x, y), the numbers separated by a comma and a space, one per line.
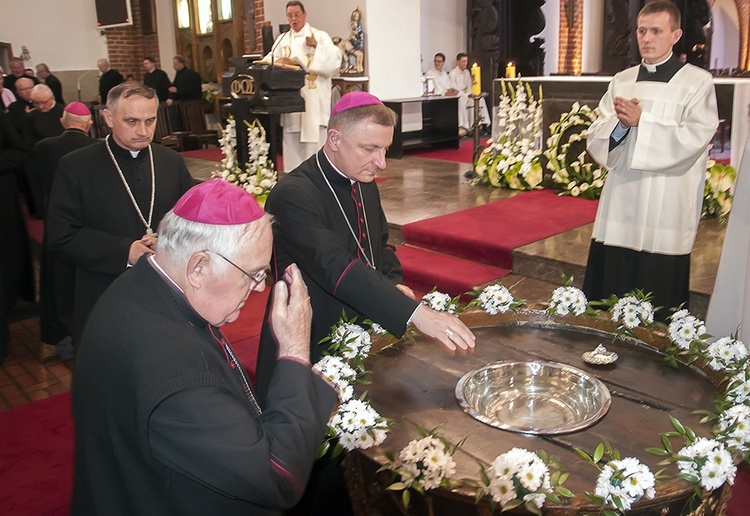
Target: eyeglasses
(255, 279)
(43, 102)
(294, 16)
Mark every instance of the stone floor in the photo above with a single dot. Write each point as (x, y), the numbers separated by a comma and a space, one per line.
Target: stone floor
(416, 189)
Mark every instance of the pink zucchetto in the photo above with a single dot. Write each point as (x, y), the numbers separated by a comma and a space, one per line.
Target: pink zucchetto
(355, 99)
(218, 202)
(77, 108)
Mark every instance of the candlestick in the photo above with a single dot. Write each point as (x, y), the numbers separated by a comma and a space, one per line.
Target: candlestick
(476, 79)
(510, 71)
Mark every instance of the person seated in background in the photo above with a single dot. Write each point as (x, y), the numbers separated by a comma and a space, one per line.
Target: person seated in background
(440, 80)
(42, 71)
(153, 347)
(186, 84)
(460, 86)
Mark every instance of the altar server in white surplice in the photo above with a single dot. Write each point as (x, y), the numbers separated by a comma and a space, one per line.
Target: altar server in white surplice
(657, 120)
(730, 302)
(304, 133)
(440, 79)
(459, 80)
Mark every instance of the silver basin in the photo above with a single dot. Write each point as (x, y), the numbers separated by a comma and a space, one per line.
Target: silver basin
(533, 397)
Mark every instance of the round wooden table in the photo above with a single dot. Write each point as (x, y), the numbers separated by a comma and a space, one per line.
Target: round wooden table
(413, 383)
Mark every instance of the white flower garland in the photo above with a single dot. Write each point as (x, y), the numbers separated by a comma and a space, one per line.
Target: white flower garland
(579, 175)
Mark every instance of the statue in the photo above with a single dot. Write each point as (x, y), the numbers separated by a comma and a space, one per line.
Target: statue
(353, 48)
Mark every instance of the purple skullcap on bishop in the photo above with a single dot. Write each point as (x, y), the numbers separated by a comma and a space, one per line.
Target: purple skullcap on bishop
(218, 202)
(355, 99)
(77, 108)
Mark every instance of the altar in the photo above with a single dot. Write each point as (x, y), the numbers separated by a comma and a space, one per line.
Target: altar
(413, 383)
(560, 92)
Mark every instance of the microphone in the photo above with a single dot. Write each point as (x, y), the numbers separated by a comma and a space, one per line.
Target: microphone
(276, 44)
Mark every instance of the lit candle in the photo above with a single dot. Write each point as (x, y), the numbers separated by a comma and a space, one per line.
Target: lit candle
(476, 79)
(510, 71)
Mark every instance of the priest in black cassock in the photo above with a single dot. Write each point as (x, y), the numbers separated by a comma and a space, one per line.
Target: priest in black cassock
(156, 78)
(656, 123)
(57, 276)
(108, 198)
(329, 221)
(16, 274)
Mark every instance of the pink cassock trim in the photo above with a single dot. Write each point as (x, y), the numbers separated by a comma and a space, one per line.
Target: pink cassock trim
(276, 464)
(342, 275)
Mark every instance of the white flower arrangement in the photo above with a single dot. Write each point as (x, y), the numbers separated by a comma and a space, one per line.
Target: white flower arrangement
(623, 482)
(351, 341)
(426, 463)
(496, 299)
(685, 329)
(726, 353)
(521, 476)
(574, 172)
(734, 428)
(258, 176)
(440, 301)
(358, 426)
(738, 388)
(717, 196)
(706, 462)
(568, 300)
(513, 156)
(339, 373)
(631, 312)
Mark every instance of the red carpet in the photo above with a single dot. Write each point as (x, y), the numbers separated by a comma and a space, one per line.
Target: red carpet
(464, 154)
(489, 233)
(424, 270)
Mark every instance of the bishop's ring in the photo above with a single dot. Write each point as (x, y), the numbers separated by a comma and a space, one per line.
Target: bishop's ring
(449, 332)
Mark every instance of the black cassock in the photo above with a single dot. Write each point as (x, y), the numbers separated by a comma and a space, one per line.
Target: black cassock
(56, 276)
(311, 231)
(16, 274)
(91, 221)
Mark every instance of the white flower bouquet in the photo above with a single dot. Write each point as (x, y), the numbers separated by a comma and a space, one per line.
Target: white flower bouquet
(738, 388)
(734, 428)
(425, 463)
(684, 329)
(519, 477)
(350, 341)
(440, 301)
(258, 176)
(358, 426)
(706, 462)
(513, 156)
(495, 299)
(339, 373)
(623, 482)
(568, 300)
(726, 353)
(631, 312)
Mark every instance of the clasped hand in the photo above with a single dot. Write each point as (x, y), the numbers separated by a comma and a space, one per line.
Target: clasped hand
(146, 245)
(291, 315)
(628, 111)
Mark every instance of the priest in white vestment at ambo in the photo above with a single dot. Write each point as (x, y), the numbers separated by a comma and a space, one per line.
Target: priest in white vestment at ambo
(304, 133)
(657, 121)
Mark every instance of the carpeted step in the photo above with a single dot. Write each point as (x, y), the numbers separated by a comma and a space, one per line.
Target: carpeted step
(425, 269)
(489, 233)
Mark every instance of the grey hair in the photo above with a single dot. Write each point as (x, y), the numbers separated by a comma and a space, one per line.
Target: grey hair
(41, 89)
(180, 238)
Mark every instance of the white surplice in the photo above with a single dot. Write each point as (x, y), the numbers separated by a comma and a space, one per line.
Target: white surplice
(461, 80)
(730, 301)
(304, 133)
(440, 79)
(653, 194)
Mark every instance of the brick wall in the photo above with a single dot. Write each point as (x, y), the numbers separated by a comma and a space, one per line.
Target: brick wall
(128, 46)
(256, 45)
(570, 38)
